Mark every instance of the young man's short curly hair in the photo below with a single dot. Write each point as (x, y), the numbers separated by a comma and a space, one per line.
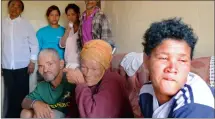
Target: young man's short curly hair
(172, 28)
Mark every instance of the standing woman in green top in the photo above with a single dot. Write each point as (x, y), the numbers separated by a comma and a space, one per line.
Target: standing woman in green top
(50, 35)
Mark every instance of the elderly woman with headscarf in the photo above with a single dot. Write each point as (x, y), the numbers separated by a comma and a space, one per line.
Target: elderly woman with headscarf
(99, 92)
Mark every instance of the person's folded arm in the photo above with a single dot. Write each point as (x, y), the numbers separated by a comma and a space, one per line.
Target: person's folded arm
(31, 98)
(62, 42)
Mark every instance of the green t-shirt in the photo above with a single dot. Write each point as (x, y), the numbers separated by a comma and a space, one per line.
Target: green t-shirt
(58, 98)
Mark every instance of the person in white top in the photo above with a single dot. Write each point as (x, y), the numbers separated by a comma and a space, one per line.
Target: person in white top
(69, 40)
(19, 54)
(132, 64)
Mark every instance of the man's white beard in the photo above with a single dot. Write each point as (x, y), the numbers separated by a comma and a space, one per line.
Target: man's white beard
(48, 80)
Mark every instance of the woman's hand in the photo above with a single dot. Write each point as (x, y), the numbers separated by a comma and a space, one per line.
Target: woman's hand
(74, 75)
(68, 27)
(31, 67)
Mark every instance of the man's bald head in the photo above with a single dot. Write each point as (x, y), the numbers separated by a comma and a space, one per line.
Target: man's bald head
(50, 53)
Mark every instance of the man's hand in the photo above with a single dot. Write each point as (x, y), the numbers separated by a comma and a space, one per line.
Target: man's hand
(74, 75)
(42, 110)
(31, 67)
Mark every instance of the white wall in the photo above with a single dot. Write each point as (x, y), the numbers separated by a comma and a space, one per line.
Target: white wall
(130, 19)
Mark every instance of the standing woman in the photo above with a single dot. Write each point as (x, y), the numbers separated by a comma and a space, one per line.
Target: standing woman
(49, 36)
(19, 48)
(69, 40)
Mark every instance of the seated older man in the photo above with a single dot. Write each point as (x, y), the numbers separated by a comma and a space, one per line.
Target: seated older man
(52, 97)
(174, 92)
(99, 92)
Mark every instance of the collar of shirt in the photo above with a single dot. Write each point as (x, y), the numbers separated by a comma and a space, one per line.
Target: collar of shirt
(53, 27)
(13, 20)
(94, 12)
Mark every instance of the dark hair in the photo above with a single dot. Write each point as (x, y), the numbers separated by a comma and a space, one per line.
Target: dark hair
(19, 1)
(51, 8)
(171, 28)
(74, 7)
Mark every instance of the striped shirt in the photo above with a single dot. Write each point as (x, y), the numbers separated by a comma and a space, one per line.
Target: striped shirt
(100, 28)
(194, 100)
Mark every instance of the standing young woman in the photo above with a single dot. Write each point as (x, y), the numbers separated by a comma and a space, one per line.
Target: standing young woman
(69, 40)
(49, 36)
